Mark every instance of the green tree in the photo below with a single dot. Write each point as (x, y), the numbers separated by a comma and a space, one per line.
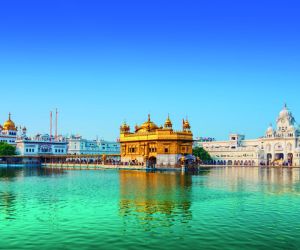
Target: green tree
(6, 149)
(202, 154)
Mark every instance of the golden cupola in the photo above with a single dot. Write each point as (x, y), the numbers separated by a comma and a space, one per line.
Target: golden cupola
(124, 128)
(147, 126)
(9, 124)
(186, 125)
(168, 123)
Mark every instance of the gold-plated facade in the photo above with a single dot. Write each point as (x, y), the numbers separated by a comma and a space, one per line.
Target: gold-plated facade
(150, 144)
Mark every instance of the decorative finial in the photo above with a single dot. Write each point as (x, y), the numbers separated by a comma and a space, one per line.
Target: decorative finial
(149, 118)
(9, 115)
(285, 106)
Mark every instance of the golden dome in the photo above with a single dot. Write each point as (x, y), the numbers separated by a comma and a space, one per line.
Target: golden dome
(168, 123)
(9, 124)
(147, 126)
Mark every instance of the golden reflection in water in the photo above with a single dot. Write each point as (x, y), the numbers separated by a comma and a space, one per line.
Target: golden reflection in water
(155, 197)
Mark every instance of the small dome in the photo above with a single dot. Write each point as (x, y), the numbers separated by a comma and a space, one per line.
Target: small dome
(9, 124)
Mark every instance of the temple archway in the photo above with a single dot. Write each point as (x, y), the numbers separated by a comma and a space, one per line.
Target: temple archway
(152, 162)
(279, 158)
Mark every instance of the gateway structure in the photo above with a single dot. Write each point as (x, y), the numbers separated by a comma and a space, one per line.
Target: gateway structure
(154, 146)
(279, 146)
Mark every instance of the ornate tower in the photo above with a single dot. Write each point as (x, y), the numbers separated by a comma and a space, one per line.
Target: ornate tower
(168, 124)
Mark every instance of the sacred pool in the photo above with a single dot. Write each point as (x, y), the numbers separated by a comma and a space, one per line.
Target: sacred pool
(227, 208)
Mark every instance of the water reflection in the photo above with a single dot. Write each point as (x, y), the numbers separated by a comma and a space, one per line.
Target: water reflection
(267, 180)
(155, 199)
(7, 205)
(44, 172)
(10, 194)
(280, 181)
(10, 174)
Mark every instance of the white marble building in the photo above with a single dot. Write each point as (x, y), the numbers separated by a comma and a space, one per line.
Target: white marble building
(79, 146)
(40, 145)
(8, 132)
(279, 146)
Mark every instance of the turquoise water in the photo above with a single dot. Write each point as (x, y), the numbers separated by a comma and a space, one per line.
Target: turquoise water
(225, 208)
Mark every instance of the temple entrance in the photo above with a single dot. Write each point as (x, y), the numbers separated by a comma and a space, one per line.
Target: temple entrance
(269, 159)
(152, 162)
(279, 158)
(290, 159)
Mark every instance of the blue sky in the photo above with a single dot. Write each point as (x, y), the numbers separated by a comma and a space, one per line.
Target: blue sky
(227, 65)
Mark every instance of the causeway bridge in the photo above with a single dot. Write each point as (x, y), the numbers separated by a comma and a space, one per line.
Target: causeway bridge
(43, 160)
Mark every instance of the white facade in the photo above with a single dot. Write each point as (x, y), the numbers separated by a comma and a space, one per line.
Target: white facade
(8, 136)
(41, 145)
(168, 160)
(279, 146)
(79, 146)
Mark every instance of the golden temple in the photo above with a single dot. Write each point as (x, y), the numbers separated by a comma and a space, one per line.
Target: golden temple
(153, 146)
